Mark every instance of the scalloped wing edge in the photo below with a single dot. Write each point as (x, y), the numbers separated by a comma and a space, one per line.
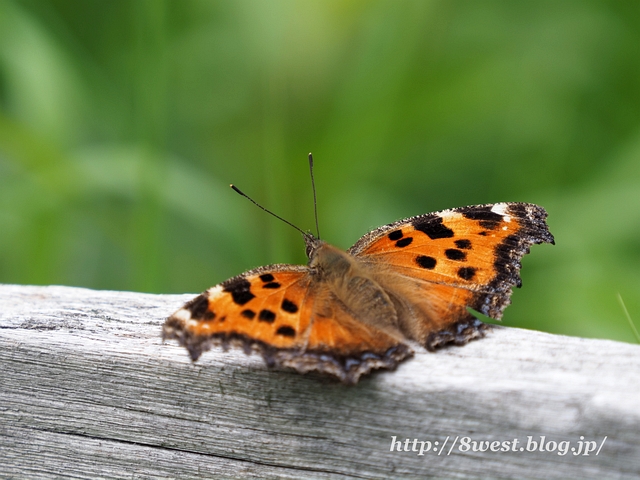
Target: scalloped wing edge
(347, 369)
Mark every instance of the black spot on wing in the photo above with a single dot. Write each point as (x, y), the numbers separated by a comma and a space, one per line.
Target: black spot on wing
(486, 218)
(467, 273)
(424, 261)
(433, 227)
(240, 290)
(455, 254)
(395, 235)
(481, 213)
(488, 224)
(199, 308)
(266, 316)
(267, 277)
(248, 313)
(404, 242)
(463, 244)
(286, 331)
(289, 306)
(271, 285)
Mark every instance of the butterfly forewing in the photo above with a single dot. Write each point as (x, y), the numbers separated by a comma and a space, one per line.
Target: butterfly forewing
(266, 307)
(291, 319)
(476, 249)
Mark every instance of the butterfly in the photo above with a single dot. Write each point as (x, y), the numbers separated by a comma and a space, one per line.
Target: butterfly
(347, 313)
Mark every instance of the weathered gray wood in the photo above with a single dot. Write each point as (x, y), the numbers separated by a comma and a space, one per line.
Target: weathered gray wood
(90, 391)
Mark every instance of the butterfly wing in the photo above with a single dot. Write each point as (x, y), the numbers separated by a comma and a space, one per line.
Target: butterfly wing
(453, 259)
(290, 318)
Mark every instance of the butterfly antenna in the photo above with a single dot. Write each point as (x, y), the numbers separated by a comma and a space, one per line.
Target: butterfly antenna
(313, 187)
(268, 211)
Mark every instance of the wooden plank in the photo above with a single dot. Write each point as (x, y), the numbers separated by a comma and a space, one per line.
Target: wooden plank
(90, 391)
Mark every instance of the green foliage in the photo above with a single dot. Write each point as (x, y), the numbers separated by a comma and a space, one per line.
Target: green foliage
(123, 122)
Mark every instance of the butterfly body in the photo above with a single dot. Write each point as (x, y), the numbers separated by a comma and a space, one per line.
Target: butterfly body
(352, 286)
(349, 312)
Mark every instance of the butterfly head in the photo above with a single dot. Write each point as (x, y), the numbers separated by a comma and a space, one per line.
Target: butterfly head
(327, 262)
(312, 244)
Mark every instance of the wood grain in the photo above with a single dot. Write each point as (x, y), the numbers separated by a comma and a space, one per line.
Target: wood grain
(88, 390)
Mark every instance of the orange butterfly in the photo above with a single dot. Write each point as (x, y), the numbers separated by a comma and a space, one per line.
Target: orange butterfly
(347, 313)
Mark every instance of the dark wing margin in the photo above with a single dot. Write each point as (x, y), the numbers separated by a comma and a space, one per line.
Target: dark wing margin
(346, 368)
(508, 254)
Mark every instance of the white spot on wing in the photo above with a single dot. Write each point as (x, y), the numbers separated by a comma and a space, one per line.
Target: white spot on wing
(449, 214)
(501, 209)
(214, 292)
(183, 315)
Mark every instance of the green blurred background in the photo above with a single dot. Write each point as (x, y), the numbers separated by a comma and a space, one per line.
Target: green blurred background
(123, 122)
